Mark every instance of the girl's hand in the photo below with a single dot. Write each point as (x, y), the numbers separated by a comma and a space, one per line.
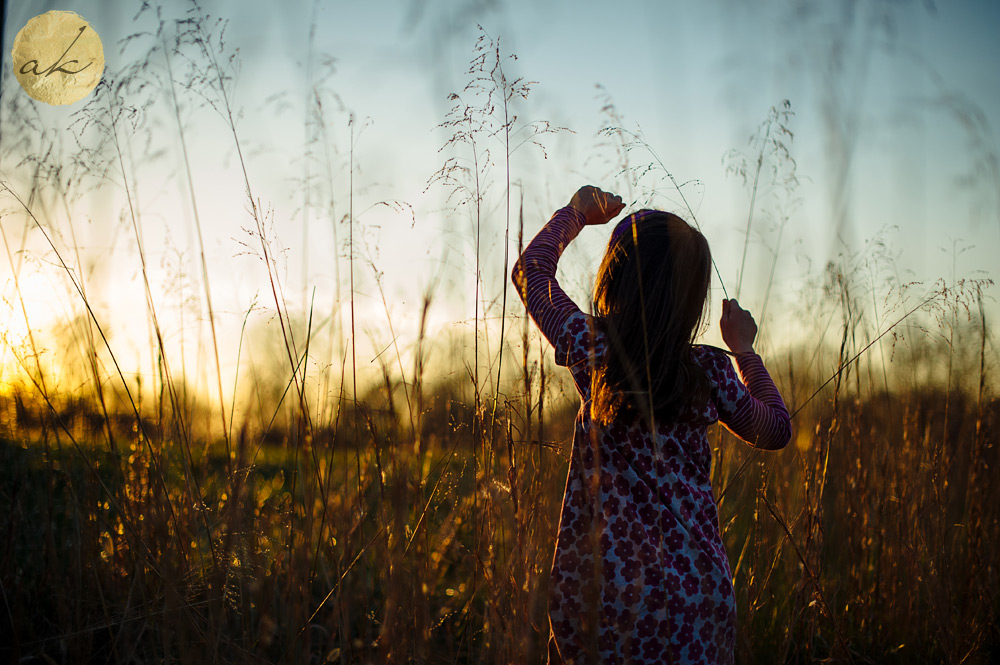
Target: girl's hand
(738, 327)
(598, 206)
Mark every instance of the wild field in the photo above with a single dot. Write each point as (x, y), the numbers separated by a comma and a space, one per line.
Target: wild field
(287, 512)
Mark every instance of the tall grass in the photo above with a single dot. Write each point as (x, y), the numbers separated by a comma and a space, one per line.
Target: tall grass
(412, 519)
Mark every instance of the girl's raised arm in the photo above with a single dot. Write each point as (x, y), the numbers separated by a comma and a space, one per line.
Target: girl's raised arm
(759, 416)
(534, 273)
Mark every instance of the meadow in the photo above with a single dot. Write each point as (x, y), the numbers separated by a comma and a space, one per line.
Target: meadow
(284, 512)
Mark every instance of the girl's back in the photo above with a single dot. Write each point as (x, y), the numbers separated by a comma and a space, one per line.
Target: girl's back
(640, 574)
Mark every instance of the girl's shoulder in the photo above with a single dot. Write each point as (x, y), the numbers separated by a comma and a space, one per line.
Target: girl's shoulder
(706, 354)
(726, 387)
(580, 342)
(715, 361)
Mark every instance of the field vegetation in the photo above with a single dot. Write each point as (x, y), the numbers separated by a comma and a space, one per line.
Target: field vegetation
(286, 511)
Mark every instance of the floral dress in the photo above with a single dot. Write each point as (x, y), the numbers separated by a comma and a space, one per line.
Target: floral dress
(640, 574)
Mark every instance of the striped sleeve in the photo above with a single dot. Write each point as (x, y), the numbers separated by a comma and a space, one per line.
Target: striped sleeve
(534, 273)
(759, 416)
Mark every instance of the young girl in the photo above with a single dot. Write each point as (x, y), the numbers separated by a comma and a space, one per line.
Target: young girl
(640, 574)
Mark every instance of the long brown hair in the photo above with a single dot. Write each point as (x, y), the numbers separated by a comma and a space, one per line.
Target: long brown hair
(649, 298)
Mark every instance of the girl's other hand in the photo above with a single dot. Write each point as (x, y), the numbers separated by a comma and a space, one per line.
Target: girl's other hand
(738, 327)
(598, 206)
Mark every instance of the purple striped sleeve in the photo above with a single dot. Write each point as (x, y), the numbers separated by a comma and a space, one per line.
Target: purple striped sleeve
(534, 273)
(760, 417)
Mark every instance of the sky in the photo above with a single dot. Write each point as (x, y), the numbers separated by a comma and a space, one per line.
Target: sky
(893, 136)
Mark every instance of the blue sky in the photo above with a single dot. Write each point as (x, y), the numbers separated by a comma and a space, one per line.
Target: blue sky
(896, 109)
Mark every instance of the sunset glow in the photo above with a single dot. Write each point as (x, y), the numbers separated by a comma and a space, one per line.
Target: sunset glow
(256, 307)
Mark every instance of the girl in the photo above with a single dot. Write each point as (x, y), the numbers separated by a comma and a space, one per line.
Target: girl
(640, 574)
